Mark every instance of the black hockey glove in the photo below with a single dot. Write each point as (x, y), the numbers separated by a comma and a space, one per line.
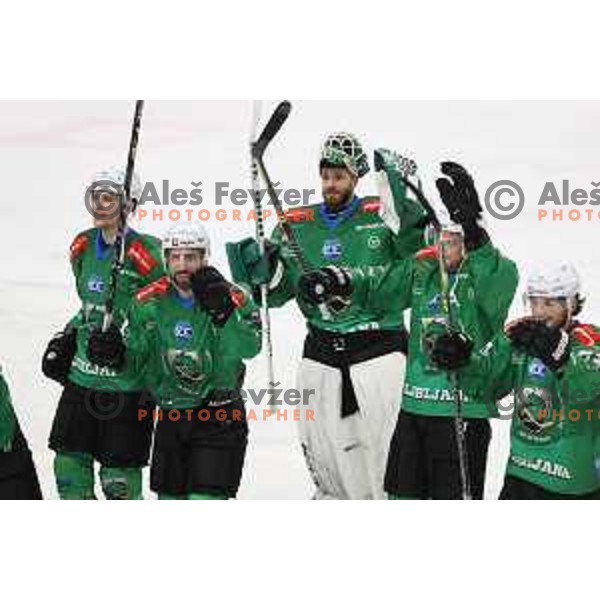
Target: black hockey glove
(451, 351)
(460, 197)
(212, 292)
(57, 359)
(106, 348)
(534, 338)
(329, 285)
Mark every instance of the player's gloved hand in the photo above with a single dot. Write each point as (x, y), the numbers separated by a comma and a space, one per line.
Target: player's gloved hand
(213, 293)
(388, 160)
(57, 359)
(329, 285)
(106, 348)
(451, 350)
(460, 197)
(248, 265)
(534, 338)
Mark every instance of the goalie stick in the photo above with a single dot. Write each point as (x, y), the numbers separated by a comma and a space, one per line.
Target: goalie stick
(261, 239)
(278, 118)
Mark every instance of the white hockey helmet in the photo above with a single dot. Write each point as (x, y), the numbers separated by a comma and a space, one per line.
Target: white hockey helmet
(446, 225)
(113, 179)
(194, 237)
(553, 280)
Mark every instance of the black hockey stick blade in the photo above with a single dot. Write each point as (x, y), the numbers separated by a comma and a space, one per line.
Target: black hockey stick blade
(125, 199)
(133, 144)
(278, 118)
(422, 200)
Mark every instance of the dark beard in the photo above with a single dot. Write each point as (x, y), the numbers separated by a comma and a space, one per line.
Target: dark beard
(335, 208)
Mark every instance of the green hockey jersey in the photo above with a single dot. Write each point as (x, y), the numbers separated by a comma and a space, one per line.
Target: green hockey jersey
(355, 237)
(481, 292)
(91, 261)
(555, 432)
(182, 355)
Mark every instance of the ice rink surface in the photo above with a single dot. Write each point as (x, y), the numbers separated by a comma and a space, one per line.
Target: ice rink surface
(48, 150)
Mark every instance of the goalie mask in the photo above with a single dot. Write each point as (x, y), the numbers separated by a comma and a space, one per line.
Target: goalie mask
(344, 150)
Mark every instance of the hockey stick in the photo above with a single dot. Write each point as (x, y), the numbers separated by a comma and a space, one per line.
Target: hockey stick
(421, 198)
(124, 202)
(260, 236)
(278, 118)
(459, 421)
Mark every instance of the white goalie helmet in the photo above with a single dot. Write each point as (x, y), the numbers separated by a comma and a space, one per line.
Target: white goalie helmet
(193, 237)
(113, 178)
(554, 280)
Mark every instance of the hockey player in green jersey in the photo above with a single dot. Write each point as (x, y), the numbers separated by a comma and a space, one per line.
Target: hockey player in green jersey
(189, 333)
(551, 364)
(423, 460)
(353, 358)
(96, 419)
(18, 479)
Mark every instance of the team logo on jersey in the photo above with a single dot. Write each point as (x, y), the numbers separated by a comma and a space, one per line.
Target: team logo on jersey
(534, 408)
(437, 302)
(374, 242)
(589, 359)
(332, 249)
(537, 369)
(434, 304)
(183, 330)
(189, 368)
(95, 284)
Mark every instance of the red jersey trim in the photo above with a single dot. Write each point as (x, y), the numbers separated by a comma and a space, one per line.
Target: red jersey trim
(429, 253)
(587, 335)
(79, 244)
(237, 297)
(371, 205)
(156, 288)
(141, 258)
